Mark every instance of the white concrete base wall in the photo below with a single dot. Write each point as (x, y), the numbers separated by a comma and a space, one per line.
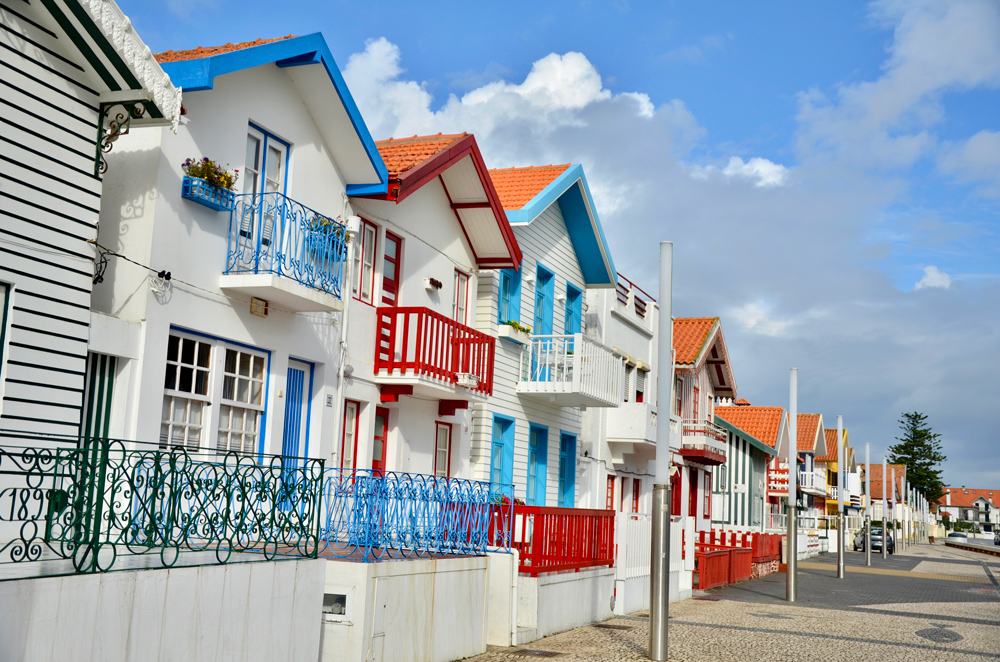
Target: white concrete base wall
(501, 627)
(427, 610)
(245, 611)
(555, 603)
(631, 595)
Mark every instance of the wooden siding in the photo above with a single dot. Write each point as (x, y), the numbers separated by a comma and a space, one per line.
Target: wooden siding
(50, 200)
(545, 240)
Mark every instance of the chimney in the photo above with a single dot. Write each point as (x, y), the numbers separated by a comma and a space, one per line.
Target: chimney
(947, 498)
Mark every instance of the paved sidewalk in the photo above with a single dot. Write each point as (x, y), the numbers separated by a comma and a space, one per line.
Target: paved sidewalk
(927, 603)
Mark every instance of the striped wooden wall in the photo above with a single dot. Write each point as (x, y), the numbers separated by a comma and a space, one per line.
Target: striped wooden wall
(49, 206)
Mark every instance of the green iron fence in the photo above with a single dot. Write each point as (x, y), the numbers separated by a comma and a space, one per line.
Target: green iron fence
(98, 501)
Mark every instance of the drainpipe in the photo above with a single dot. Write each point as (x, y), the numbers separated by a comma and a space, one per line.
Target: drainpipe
(660, 540)
(353, 227)
(791, 547)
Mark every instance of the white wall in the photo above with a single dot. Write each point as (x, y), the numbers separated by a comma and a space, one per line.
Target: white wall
(429, 610)
(246, 611)
(546, 241)
(144, 217)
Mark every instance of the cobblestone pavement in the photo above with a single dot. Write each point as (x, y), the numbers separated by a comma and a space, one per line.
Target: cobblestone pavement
(926, 603)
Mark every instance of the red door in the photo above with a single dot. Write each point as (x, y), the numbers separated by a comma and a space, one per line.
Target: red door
(692, 492)
(378, 439)
(390, 269)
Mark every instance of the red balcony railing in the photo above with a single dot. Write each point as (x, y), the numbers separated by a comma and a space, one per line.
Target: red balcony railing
(552, 539)
(625, 288)
(421, 342)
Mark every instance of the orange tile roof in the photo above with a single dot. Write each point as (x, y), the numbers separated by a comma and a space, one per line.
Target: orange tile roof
(519, 186)
(690, 334)
(401, 154)
(831, 447)
(806, 429)
(208, 51)
(876, 478)
(742, 402)
(761, 423)
(964, 497)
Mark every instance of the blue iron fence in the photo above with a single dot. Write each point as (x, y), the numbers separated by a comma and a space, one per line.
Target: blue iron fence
(99, 501)
(374, 515)
(270, 233)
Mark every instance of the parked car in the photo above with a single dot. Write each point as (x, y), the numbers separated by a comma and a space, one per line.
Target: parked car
(996, 538)
(958, 536)
(859, 541)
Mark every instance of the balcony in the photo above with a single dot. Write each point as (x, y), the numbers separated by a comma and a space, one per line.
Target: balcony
(777, 482)
(703, 442)
(813, 482)
(421, 352)
(285, 253)
(571, 371)
(632, 430)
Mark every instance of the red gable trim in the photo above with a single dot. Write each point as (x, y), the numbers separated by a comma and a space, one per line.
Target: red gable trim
(413, 179)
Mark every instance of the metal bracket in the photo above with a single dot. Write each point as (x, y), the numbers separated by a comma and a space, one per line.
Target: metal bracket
(114, 122)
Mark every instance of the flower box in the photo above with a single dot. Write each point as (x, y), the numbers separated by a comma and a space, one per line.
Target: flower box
(467, 379)
(213, 197)
(507, 332)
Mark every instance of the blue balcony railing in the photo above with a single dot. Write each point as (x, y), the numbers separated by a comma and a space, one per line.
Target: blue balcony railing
(270, 233)
(373, 515)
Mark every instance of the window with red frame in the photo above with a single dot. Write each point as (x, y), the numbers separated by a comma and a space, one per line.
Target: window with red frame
(460, 304)
(442, 450)
(636, 483)
(708, 495)
(675, 493)
(349, 435)
(391, 274)
(693, 492)
(695, 403)
(609, 502)
(678, 397)
(621, 500)
(640, 385)
(364, 263)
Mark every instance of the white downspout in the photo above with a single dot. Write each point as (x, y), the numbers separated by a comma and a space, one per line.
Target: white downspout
(353, 227)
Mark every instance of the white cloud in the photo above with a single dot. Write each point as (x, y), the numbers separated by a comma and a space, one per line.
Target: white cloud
(975, 160)
(762, 172)
(756, 317)
(933, 278)
(937, 47)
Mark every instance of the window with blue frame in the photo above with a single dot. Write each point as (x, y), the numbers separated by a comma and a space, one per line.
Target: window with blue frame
(538, 445)
(567, 470)
(544, 284)
(574, 309)
(502, 451)
(509, 305)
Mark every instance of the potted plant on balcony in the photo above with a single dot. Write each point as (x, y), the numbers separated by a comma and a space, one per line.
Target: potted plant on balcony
(209, 184)
(324, 238)
(514, 331)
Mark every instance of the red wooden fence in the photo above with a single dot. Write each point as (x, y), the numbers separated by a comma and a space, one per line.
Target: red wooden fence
(550, 539)
(712, 567)
(420, 341)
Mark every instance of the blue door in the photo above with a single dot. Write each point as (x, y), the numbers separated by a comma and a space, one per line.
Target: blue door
(293, 440)
(538, 446)
(567, 470)
(502, 455)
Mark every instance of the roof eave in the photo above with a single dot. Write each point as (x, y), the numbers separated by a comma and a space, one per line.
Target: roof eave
(199, 74)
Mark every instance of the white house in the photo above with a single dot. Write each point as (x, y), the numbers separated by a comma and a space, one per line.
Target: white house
(418, 353)
(529, 434)
(224, 315)
(77, 79)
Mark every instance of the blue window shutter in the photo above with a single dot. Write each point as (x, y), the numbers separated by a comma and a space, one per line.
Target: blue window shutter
(503, 314)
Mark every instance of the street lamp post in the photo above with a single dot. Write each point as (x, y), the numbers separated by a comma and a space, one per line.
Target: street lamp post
(791, 547)
(841, 485)
(885, 508)
(868, 506)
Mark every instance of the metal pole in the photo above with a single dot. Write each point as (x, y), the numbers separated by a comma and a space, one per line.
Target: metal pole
(841, 485)
(791, 546)
(659, 576)
(885, 508)
(904, 498)
(868, 506)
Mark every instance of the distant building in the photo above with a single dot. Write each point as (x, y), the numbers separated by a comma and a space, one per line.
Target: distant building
(981, 507)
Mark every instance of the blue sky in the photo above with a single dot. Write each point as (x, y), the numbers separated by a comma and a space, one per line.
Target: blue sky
(829, 172)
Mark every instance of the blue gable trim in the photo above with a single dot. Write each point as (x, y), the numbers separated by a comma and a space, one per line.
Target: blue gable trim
(200, 74)
(571, 191)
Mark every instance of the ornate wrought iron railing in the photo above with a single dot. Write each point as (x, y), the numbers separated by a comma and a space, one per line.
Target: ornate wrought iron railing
(270, 233)
(373, 515)
(100, 501)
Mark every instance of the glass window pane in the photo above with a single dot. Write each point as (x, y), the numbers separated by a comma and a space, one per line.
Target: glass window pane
(171, 377)
(253, 152)
(256, 392)
(244, 364)
(172, 345)
(185, 382)
(203, 354)
(228, 387)
(391, 246)
(231, 361)
(201, 383)
(242, 390)
(258, 367)
(187, 351)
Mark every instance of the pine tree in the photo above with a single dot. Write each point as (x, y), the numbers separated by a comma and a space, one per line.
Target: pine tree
(920, 450)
